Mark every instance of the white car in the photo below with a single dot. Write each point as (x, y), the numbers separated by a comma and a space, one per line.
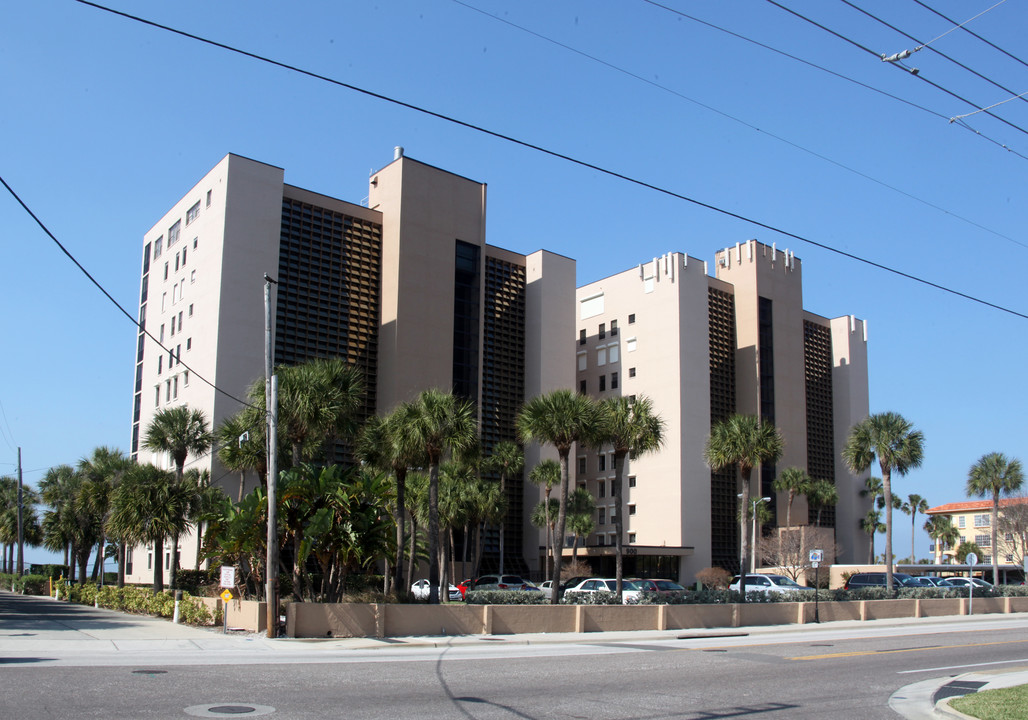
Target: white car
(630, 592)
(420, 590)
(770, 584)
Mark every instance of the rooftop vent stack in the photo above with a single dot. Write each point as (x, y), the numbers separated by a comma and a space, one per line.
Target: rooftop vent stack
(397, 152)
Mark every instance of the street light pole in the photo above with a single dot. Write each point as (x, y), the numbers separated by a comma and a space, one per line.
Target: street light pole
(753, 542)
(271, 410)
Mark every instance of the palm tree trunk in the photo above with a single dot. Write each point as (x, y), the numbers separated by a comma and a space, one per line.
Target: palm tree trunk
(887, 493)
(995, 537)
(69, 560)
(242, 485)
(297, 565)
(401, 523)
(744, 549)
(122, 558)
(173, 573)
(503, 494)
(413, 545)
(96, 563)
(547, 535)
(913, 532)
(433, 532)
(562, 516)
(158, 567)
(619, 523)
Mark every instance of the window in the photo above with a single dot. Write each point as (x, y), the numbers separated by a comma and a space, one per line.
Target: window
(601, 516)
(983, 541)
(601, 356)
(631, 372)
(581, 387)
(167, 395)
(581, 337)
(601, 489)
(195, 242)
(582, 361)
(184, 250)
(630, 345)
(631, 509)
(173, 233)
(591, 307)
(180, 321)
(613, 381)
(157, 396)
(602, 460)
(603, 330)
(167, 561)
(631, 319)
(165, 271)
(174, 388)
(192, 277)
(190, 309)
(599, 540)
(982, 521)
(189, 344)
(631, 481)
(160, 360)
(172, 326)
(1009, 537)
(1008, 558)
(176, 262)
(157, 247)
(631, 538)
(603, 383)
(961, 521)
(613, 328)
(193, 212)
(185, 379)
(613, 353)
(208, 198)
(581, 466)
(178, 353)
(149, 561)
(162, 335)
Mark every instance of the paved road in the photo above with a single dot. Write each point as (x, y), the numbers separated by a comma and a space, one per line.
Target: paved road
(64, 661)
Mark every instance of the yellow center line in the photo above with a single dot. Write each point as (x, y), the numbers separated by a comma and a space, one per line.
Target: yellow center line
(902, 650)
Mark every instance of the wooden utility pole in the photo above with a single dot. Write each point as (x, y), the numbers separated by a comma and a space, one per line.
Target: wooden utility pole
(21, 523)
(271, 408)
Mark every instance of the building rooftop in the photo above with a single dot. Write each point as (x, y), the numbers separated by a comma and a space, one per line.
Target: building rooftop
(971, 505)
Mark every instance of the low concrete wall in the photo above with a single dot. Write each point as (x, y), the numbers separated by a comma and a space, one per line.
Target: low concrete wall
(391, 620)
(247, 615)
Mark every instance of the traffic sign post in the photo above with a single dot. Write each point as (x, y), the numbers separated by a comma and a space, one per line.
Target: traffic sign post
(226, 595)
(816, 556)
(971, 561)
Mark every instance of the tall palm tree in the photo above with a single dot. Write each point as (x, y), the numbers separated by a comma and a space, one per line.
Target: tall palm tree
(915, 504)
(319, 401)
(992, 475)
(942, 530)
(898, 447)
(544, 517)
(385, 444)
(440, 423)
(57, 490)
(871, 524)
(240, 442)
(632, 429)
(746, 442)
(560, 418)
(794, 481)
(547, 475)
(507, 461)
(180, 432)
(101, 472)
(821, 494)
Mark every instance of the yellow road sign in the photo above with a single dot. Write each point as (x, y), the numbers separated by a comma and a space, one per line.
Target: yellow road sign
(226, 595)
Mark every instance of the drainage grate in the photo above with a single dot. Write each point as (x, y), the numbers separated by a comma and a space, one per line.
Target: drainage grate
(957, 688)
(228, 710)
(149, 672)
(231, 709)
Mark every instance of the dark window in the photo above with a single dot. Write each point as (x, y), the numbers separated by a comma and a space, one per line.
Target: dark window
(581, 387)
(581, 466)
(631, 319)
(465, 320)
(613, 381)
(603, 330)
(613, 328)
(602, 489)
(631, 509)
(602, 464)
(631, 481)
(603, 383)
(581, 337)
(631, 372)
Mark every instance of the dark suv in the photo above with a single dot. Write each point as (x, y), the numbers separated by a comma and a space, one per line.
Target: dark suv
(877, 579)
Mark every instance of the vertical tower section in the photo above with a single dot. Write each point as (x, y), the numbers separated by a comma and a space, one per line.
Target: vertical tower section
(817, 338)
(724, 535)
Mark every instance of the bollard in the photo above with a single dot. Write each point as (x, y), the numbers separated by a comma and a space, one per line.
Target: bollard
(178, 599)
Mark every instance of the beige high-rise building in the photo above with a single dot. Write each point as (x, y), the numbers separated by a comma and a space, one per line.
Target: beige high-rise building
(702, 348)
(403, 286)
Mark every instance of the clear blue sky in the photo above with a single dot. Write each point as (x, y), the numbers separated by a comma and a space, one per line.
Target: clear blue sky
(106, 122)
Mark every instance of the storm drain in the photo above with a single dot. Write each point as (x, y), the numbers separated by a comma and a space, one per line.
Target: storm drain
(957, 688)
(149, 672)
(229, 710)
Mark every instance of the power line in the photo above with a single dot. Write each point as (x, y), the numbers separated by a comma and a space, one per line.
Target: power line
(912, 72)
(973, 34)
(557, 155)
(736, 119)
(102, 289)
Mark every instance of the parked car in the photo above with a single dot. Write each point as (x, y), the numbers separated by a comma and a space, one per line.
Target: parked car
(420, 590)
(877, 579)
(629, 591)
(658, 586)
(770, 584)
(463, 586)
(545, 588)
(500, 582)
(963, 582)
(931, 581)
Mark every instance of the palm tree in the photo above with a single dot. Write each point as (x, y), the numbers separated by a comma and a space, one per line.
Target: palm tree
(178, 431)
(508, 461)
(240, 440)
(792, 480)
(440, 423)
(385, 444)
(821, 494)
(632, 429)
(746, 442)
(544, 516)
(891, 439)
(546, 474)
(560, 418)
(101, 472)
(915, 504)
(993, 474)
(148, 506)
(318, 402)
(942, 530)
(581, 508)
(871, 524)
(57, 490)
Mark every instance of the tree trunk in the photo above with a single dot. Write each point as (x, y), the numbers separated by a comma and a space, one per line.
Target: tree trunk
(619, 522)
(433, 532)
(98, 561)
(561, 525)
(413, 546)
(297, 565)
(69, 560)
(995, 537)
(503, 494)
(547, 535)
(887, 493)
(173, 573)
(401, 523)
(158, 566)
(744, 548)
(242, 485)
(122, 559)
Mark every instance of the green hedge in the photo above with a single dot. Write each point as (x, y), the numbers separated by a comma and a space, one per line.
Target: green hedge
(505, 597)
(142, 600)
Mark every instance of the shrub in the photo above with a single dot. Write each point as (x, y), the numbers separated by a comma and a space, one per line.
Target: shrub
(505, 597)
(715, 578)
(601, 597)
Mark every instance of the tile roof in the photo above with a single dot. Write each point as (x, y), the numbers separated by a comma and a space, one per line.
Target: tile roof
(970, 505)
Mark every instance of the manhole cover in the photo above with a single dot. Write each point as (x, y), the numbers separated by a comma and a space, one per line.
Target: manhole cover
(229, 710)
